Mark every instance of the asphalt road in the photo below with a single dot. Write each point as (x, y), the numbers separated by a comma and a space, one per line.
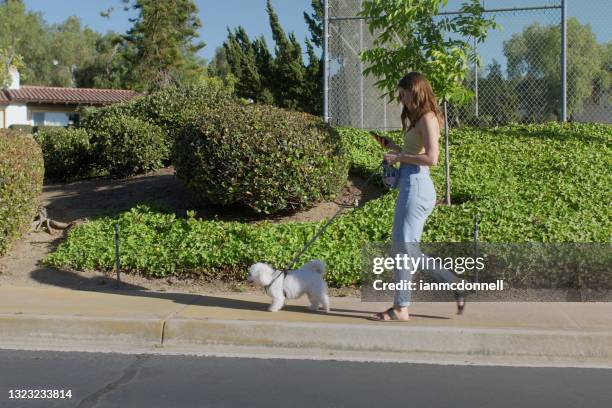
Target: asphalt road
(119, 380)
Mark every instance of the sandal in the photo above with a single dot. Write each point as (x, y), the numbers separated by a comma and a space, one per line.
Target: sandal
(460, 298)
(380, 316)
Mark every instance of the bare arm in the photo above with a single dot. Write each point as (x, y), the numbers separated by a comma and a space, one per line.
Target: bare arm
(430, 131)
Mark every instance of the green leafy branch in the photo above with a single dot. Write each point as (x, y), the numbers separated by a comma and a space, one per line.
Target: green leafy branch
(411, 35)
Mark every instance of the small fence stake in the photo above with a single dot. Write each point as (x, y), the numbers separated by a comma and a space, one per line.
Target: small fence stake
(117, 260)
(475, 232)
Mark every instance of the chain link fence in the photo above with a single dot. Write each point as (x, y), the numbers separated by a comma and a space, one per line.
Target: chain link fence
(519, 78)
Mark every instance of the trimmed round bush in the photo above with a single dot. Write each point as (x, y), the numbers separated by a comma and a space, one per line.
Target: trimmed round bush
(124, 145)
(67, 153)
(42, 128)
(22, 128)
(173, 107)
(21, 178)
(267, 158)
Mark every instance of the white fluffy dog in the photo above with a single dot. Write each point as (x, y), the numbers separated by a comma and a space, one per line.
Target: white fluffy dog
(308, 279)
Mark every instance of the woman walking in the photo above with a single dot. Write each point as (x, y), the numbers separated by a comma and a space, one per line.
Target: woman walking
(421, 124)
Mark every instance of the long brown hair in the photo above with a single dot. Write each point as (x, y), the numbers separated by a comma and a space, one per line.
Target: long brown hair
(422, 100)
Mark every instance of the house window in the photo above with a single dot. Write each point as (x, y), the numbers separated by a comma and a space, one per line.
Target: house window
(38, 118)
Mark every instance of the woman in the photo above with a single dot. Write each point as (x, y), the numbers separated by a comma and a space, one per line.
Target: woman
(421, 123)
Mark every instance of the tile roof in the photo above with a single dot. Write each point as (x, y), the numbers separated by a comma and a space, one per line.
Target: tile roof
(51, 94)
(3, 98)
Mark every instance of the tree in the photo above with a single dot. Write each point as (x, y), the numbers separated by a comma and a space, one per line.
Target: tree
(219, 66)
(289, 71)
(265, 66)
(534, 62)
(8, 59)
(23, 42)
(315, 22)
(314, 81)
(412, 36)
(57, 55)
(314, 70)
(282, 79)
(241, 58)
(163, 36)
(71, 47)
(602, 83)
(110, 67)
(498, 99)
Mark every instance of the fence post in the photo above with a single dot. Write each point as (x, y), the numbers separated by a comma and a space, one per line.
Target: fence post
(563, 60)
(117, 260)
(361, 94)
(446, 155)
(385, 113)
(476, 78)
(326, 61)
(475, 233)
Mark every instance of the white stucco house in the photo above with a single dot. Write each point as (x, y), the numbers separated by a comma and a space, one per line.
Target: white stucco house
(49, 105)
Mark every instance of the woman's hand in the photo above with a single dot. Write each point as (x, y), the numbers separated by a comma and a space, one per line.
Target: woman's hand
(393, 147)
(385, 142)
(392, 158)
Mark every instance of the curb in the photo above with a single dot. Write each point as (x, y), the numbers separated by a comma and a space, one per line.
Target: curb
(200, 335)
(546, 344)
(53, 329)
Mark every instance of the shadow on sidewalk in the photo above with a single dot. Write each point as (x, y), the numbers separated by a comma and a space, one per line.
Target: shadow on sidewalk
(102, 284)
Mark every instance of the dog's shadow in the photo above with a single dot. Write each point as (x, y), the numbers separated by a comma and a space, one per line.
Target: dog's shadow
(75, 281)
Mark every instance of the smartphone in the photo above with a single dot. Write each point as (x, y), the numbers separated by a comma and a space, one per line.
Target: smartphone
(384, 142)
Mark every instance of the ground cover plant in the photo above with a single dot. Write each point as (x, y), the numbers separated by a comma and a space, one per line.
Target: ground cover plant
(527, 183)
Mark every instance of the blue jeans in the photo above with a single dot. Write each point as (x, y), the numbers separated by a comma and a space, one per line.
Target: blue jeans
(415, 201)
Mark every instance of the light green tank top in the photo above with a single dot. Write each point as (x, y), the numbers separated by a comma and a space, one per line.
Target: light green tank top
(413, 142)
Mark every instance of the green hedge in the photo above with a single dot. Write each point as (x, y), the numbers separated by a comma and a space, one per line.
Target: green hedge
(42, 128)
(22, 128)
(541, 183)
(174, 107)
(67, 153)
(124, 145)
(35, 129)
(267, 158)
(167, 110)
(21, 177)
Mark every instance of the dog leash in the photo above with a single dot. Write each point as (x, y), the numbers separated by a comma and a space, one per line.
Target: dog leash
(314, 238)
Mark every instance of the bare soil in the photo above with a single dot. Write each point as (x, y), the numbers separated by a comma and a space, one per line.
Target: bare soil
(87, 199)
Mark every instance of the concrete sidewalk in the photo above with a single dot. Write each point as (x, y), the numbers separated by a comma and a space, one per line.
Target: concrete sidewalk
(573, 334)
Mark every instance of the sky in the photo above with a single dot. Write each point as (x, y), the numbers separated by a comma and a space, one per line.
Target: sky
(217, 15)
(597, 13)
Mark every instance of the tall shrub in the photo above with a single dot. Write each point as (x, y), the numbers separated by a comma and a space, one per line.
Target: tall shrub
(267, 158)
(125, 145)
(175, 106)
(21, 177)
(67, 153)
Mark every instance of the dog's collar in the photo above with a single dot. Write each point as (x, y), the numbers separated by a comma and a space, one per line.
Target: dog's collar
(275, 278)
